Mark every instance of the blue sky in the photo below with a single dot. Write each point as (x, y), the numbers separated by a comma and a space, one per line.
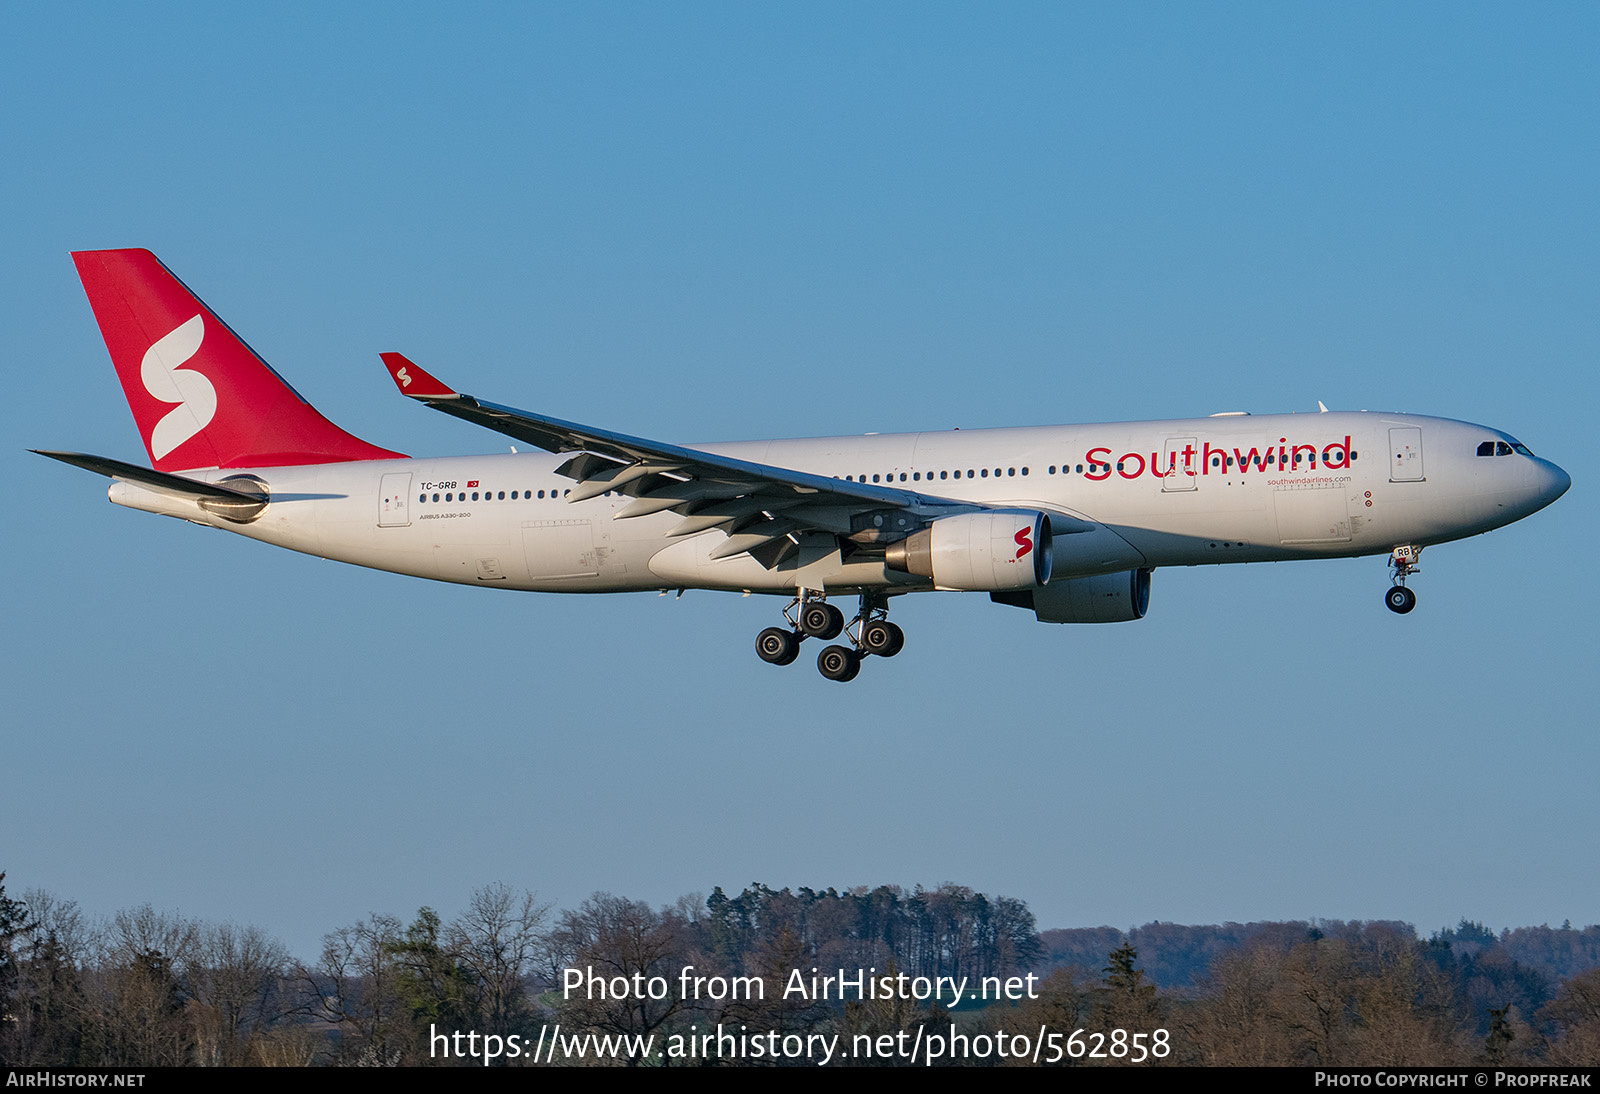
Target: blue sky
(701, 222)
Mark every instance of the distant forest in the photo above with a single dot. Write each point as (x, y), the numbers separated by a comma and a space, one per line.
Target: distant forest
(148, 988)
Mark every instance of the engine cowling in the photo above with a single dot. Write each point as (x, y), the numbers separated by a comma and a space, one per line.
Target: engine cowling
(1104, 598)
(992, 551)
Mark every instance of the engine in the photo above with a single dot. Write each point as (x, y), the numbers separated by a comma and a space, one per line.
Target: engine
(992, 551)
(1105, 598)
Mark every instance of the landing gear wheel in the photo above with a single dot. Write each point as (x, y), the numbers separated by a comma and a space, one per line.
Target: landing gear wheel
(819, 620)
(882, 638)
(839, 663)
(1400, 600)
(777, 646)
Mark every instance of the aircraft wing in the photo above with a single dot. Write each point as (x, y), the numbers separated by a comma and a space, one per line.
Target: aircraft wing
(759, 506)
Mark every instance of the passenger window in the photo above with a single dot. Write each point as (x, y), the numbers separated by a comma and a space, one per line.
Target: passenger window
(985, 472)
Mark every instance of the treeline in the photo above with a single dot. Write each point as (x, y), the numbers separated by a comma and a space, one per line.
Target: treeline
(948, 931)
(153, 988)
(147, 988)
(1175, 955)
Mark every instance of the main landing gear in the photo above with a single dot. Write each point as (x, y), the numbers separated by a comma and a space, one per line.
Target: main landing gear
(810, 616)
(1404, 563)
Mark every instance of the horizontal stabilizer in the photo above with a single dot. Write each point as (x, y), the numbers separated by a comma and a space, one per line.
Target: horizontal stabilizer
(235, 505)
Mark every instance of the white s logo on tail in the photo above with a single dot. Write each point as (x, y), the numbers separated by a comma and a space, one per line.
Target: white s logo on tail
(166, 379)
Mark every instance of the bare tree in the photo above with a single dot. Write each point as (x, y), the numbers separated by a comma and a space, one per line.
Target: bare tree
(500, 940)
(1576, 1013)
(355, 991)
(1239, 1020)
(611, 938)
(43, 1021)
(236, 984)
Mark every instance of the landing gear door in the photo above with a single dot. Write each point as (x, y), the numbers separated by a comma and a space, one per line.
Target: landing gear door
(1180, 465)
(1405, 454)
(394, 501)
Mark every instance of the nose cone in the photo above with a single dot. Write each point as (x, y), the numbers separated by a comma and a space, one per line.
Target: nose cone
(1556, 482)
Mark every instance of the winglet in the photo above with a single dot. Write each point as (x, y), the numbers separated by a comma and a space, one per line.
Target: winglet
(413, 380)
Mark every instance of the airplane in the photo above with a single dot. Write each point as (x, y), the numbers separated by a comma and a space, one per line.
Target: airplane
(1066, 521)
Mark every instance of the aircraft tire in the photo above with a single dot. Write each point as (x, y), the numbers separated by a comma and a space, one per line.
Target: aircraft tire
(1400, 600)
(839, 663)
(883, 638)
(820, 620)
(777, 646)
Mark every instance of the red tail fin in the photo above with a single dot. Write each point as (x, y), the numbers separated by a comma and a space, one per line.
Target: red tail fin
(200, 396)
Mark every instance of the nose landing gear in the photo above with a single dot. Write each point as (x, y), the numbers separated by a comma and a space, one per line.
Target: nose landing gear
(1404, 563)
(810, 616)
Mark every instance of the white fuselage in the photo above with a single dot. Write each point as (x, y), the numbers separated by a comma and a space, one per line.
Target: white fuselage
(1235, 488)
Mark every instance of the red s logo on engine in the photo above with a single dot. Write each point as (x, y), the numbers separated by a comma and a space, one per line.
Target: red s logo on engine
(1024, 544)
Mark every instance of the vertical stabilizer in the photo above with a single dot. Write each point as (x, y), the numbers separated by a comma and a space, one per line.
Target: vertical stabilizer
(200, 396)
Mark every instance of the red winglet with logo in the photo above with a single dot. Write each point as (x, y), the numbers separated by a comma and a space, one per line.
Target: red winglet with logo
(200, 396)
(413, 380)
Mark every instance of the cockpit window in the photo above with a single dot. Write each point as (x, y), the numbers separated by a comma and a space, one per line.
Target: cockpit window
(1502, 449)
(1486, 448)
(1520, 449)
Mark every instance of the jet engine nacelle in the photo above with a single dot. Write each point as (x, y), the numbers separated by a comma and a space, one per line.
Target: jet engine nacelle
(995, 550)
(1105, 598)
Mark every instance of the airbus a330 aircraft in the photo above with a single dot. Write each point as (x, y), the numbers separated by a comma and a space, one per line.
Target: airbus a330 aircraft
(1066, 521)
